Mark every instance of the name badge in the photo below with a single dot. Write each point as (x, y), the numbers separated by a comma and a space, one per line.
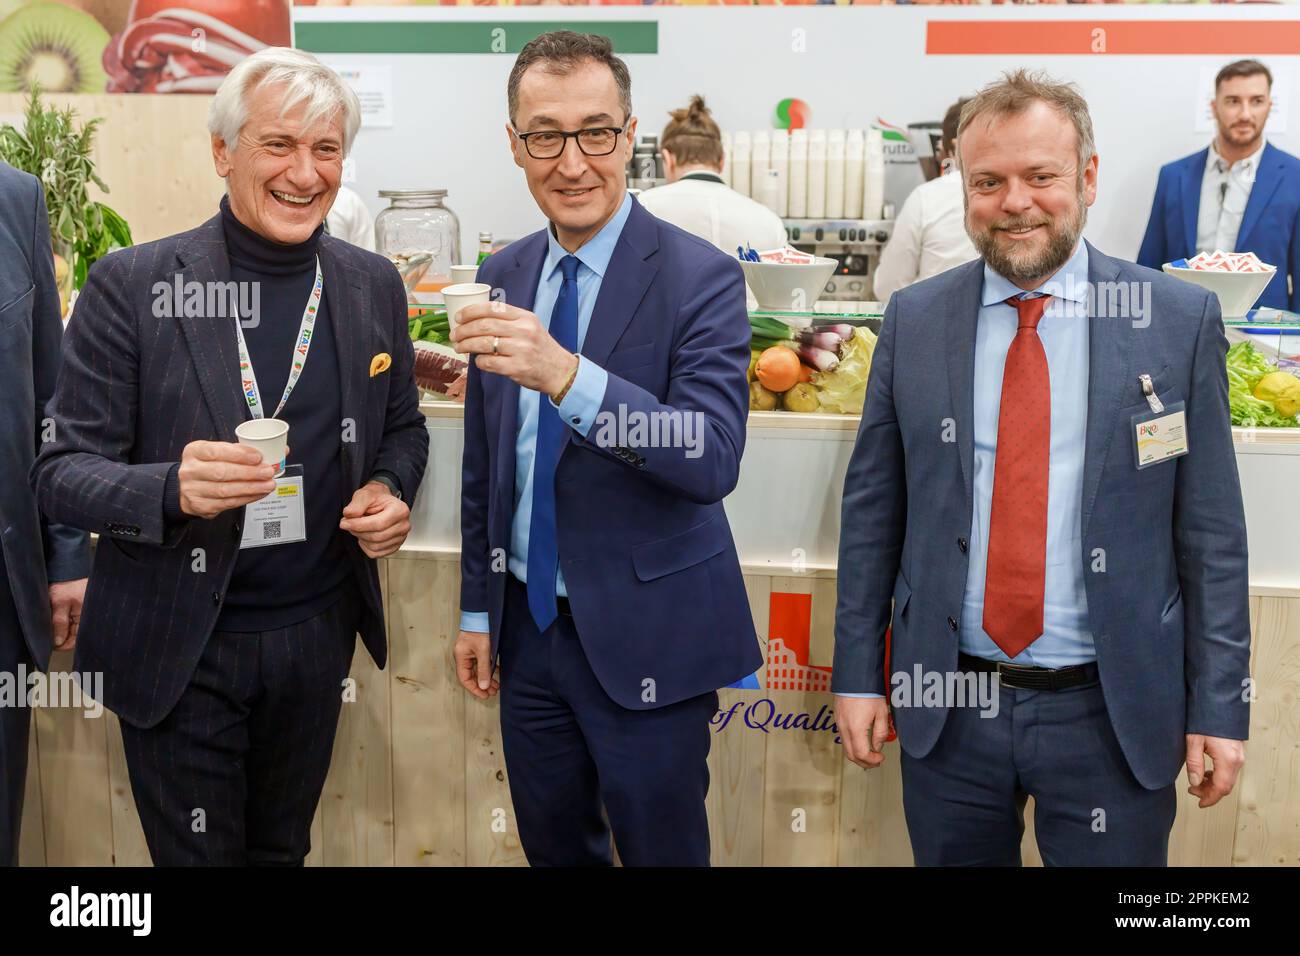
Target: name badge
(278, 518)
(1159, 436)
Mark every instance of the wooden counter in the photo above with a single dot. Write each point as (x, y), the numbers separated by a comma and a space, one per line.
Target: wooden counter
(418, 776)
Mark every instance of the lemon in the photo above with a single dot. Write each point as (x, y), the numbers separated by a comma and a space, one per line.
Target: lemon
(1282, 389)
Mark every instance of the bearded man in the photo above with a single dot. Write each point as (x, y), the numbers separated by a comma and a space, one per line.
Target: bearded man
(1044, 484)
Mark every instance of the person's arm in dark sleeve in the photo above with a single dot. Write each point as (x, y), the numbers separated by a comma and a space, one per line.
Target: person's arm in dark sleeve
(707, 383)
(873, 520)
(1210, 548)
(1154, 248)
(66, 549)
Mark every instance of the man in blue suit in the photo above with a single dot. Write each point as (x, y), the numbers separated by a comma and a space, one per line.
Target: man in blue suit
(604, 423)
(1239, 194)
(43, 566)
(1069, 616)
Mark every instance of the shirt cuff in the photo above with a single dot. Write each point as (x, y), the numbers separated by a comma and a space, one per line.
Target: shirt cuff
(585, 396)
(474, 621)
(388, 479)
(172, 512)
(868, 696)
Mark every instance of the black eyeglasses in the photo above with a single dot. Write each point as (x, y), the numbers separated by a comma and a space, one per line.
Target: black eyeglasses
(547, 144)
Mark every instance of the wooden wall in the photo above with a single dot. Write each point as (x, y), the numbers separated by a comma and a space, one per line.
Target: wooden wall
(153, 152)
(418, 777)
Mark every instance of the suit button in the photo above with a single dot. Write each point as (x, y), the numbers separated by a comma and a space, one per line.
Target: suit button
(961, 543)
(236, 529)
(216, 599)
(952, 624)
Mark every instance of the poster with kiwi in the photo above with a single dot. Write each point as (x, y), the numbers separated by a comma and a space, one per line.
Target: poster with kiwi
(133, 46)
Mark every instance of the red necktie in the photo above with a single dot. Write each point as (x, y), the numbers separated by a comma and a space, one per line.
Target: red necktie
(1017, 559)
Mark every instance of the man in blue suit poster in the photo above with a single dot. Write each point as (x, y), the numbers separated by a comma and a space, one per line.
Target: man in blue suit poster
(1239, 194)
(604, 423)
(1044, 484)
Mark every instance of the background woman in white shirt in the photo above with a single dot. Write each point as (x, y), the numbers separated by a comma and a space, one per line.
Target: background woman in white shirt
(696, 198)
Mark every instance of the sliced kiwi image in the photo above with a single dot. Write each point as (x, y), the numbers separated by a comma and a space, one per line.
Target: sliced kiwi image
(56, 46)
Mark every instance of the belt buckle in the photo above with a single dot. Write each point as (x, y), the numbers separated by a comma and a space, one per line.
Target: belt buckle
(1006, 667)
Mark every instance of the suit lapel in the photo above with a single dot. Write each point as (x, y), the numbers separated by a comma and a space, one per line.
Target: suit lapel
(1109, 357)
(211, 340)
(1267, 178)
(1193, 172)
(626, 279)
(500, 394)
(963, 318)
(344, 300)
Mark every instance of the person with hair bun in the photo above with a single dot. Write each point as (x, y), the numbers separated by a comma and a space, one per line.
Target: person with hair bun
(696, 198)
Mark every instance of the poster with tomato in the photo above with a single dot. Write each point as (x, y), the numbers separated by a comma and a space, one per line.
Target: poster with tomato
(133, 46)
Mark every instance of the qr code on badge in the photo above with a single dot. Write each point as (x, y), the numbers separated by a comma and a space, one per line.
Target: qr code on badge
(270, 530)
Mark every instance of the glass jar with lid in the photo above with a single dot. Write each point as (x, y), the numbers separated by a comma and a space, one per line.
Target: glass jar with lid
(418, 223)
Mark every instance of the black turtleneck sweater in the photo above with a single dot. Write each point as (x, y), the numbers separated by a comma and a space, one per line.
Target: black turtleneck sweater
(280, 585)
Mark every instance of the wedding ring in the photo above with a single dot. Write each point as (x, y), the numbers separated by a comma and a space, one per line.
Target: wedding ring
(496, 340)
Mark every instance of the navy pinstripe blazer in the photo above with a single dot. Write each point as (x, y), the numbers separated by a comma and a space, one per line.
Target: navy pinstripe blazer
(135, 389)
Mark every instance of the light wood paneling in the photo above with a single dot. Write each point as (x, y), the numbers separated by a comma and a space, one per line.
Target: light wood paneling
(153, 152)
(31, 840)
(428, 728)
(418, 776)
(75, 786)
(129, 847)
(356, 808)
(1268, 820)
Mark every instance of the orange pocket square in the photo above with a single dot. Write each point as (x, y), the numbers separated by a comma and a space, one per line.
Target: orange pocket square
(380, 363)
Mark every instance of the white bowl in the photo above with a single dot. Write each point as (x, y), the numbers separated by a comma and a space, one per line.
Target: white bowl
(788, 286)
(1237, 291)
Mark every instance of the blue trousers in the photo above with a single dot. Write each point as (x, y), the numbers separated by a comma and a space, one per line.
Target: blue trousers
(965, 800)
(580, 765)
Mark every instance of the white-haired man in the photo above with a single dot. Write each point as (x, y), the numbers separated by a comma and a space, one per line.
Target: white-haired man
(227, 593)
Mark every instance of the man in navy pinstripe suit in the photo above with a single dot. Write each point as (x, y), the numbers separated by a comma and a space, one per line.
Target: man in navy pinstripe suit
(223, 650)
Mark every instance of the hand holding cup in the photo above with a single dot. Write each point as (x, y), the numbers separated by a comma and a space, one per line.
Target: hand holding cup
(216, 476)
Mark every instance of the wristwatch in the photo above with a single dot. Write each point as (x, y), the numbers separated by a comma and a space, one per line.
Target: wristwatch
(388, 482)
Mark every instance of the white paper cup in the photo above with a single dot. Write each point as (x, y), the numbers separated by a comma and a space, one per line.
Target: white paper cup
(466, 273)
(462, 294)
(270, 436)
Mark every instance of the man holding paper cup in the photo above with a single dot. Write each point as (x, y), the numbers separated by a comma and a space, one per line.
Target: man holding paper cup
(601, 569)
(237, 418)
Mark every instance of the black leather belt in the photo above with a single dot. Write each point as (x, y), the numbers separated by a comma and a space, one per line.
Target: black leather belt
(1032, 678)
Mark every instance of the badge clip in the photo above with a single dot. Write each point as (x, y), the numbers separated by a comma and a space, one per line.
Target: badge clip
(1149, 391)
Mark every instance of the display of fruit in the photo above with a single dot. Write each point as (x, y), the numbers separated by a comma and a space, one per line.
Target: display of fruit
(760, 399)
(1282, 389)
(777, 368)
(53, 46)
(802, 397)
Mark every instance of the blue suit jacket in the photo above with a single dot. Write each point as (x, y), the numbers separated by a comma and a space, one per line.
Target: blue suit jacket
(36, 551)
(1163, 549)
(1270, 227)
(651, 570)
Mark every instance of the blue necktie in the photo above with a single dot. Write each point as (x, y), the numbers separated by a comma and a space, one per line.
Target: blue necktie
(543, 552)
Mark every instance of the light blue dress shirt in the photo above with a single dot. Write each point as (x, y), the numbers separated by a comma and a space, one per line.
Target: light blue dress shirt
(1067, 637)
(584, 398)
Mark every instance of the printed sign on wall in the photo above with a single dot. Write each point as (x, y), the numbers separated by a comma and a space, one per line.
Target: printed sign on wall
(133, 46)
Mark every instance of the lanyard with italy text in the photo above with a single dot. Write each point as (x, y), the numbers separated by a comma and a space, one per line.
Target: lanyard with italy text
(246, 375)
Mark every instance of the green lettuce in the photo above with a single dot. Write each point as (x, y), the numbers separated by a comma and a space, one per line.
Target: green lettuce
(1246, 366)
